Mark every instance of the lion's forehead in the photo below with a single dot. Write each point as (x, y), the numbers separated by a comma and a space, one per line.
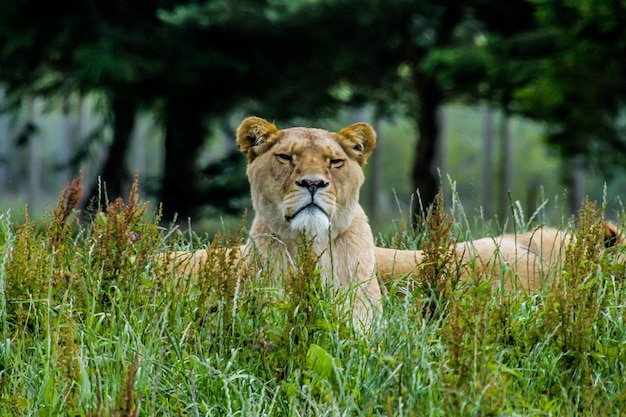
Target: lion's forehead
(309, 142)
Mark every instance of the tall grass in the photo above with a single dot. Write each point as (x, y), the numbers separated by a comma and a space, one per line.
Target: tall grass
(91, 326)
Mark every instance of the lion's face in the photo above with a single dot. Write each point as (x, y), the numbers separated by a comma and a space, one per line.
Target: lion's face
(305, 179)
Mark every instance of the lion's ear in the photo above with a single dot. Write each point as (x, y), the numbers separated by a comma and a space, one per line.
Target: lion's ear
(612, 235)
(252, 134)
(358, 140)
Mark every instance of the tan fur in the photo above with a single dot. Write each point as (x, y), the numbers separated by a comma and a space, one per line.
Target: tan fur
(522, 261)
(519, 261)
(280, 165)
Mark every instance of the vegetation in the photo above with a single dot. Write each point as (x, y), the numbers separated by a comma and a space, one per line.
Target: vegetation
(88, 331)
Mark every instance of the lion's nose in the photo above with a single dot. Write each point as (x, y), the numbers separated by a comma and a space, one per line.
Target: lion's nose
(312, 185)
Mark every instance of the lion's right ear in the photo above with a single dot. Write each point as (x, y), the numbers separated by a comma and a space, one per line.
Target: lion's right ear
(254, 135)
(612, 235)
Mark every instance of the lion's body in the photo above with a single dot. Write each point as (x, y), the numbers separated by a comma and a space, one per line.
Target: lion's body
(523, 260)
(517, 260)
(306, 182)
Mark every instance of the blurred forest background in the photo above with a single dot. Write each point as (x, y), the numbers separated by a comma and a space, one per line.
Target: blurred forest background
(498, 101)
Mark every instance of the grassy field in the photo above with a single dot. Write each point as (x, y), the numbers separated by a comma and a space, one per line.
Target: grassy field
(88, 331)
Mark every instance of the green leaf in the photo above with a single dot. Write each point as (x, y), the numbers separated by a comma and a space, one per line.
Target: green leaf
(320, 361)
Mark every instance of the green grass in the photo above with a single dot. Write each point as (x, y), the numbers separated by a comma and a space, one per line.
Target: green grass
(86, 331)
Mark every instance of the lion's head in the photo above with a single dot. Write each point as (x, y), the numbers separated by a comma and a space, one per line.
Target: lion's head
(305, 179)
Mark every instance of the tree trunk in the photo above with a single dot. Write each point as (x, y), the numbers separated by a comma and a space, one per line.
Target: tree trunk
(578, 183)
(72, 135)
(487, 174)
(4, 144)
(184, 135)
(424, 173)
(506, 167)
(376, 171)
(114, 177)
(138, 150)
(430, 97)
(34, 160)
(441, 157)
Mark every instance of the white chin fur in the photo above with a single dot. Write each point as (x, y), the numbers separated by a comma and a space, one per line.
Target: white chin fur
(313, 222)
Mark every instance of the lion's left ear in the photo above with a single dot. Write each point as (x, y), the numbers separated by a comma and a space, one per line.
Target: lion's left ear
(358, 140)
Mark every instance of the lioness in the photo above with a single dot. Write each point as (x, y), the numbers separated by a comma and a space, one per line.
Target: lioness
(306, 181)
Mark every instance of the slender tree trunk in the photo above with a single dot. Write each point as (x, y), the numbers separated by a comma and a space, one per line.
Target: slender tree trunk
(578, 185)
(138, 150)
(376, 171)
(488, 171)
(4, 144)
(424, 173)
(72, 135)
(68, 140)
(442, 145)
(580, 182)
(34, 159)
(114, 177)
(506, 167)
(184, 135)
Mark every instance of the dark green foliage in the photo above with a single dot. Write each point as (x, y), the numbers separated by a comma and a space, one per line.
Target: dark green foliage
(556, 61)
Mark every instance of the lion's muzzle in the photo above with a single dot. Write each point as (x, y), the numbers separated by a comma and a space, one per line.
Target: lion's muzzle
(312, 186)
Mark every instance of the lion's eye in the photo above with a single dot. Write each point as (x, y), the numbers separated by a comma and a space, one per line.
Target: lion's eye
(283, 157)
(336, 163)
